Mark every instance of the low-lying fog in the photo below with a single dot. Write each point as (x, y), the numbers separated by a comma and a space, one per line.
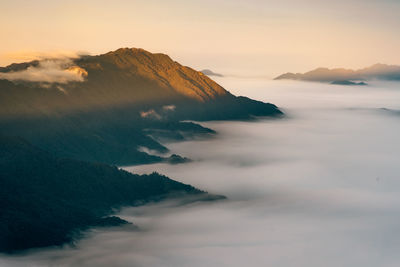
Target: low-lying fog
(318, 188)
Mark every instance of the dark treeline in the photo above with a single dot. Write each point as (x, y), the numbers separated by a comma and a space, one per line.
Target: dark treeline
(46, 200)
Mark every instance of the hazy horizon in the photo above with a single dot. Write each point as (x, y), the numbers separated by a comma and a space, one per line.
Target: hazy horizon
(262, 38)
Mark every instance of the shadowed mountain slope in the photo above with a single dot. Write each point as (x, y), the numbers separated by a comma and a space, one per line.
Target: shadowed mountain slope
(47, 201)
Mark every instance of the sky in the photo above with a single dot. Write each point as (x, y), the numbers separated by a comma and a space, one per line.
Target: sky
(252, 37)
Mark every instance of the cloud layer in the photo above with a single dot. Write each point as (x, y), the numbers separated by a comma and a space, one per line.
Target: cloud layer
(319, 188)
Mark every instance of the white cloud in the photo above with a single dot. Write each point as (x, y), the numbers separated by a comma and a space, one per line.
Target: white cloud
(169, 107)
(150, 114)
(49, 71)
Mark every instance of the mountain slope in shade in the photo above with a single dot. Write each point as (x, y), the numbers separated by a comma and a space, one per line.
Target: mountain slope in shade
(47, 201)
(377, 71)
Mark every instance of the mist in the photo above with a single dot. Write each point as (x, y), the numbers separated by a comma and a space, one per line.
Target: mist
(317, 188)
(56, 70)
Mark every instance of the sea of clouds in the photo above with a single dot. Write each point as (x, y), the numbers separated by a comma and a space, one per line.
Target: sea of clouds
(320, 187)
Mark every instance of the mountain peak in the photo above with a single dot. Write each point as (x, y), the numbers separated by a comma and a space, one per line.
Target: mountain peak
(128, 52)
(139, 64)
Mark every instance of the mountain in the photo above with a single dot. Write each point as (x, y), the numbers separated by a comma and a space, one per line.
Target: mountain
(377, 71)
(107, 108)
(211, 73)
(48, 201)
(125, 77)
(65, 124)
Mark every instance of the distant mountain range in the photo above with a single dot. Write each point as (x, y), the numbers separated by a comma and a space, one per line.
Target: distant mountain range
(375, 72)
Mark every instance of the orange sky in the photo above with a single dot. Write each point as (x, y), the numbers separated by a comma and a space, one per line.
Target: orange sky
(250, 37)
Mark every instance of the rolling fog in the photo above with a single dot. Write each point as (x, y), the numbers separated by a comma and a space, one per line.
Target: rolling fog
(320, 187)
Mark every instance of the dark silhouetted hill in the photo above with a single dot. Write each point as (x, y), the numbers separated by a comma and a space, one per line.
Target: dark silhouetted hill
(346, 82)
(47, 200)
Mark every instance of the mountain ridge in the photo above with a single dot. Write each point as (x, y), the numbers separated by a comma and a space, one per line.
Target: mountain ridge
(376, 71)
(49, 201)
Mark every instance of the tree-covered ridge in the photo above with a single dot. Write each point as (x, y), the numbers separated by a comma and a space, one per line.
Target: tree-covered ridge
(46, 200)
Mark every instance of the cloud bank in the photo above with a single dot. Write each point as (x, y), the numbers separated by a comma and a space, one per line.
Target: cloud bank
(59, 70)
(318, 188)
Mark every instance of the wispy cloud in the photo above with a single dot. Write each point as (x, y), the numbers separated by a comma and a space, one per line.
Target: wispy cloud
(169, 107)
(150, 114)
(57, 70)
